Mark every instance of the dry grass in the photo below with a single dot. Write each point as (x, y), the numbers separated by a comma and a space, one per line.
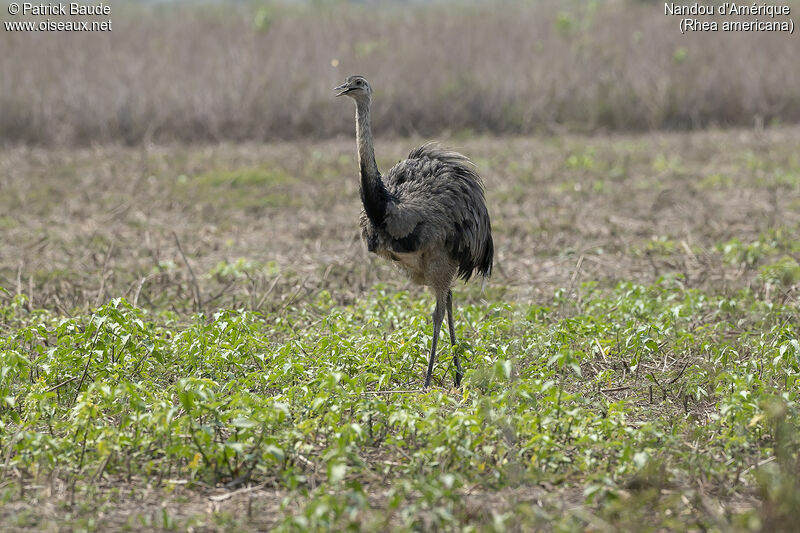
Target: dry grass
(265, 72)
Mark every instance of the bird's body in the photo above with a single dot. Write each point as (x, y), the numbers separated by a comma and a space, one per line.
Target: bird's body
(436, 224)
(427, 215)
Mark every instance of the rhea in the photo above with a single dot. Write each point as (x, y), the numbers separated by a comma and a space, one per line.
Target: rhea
(427, 215)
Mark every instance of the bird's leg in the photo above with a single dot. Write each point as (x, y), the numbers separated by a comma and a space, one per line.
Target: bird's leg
(459, 371)
(438, 315)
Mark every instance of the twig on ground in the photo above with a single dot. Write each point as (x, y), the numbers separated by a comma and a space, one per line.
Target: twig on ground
(574, 277)
(269, 291)
(102, 288)
(229, 495)
(676, 378)
(615, 389)
(139, 288)
(19, 279)
(66, 381)
(99, 473)
(663, 390)
(86, 366)
(408, 391)
(292, 297)
(197, 300)
(758, 464)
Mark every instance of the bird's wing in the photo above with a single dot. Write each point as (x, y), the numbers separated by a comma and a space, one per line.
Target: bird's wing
(408, 206)
(438, 196)
(434, 192)
(402, 219)
(409, 225)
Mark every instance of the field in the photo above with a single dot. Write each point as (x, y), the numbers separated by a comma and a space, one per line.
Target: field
(246, 71)
(194, 337)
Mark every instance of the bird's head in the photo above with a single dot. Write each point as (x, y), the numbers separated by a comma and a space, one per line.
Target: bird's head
(356, 87)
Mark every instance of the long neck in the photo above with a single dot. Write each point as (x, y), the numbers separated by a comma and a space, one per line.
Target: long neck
(373, 194)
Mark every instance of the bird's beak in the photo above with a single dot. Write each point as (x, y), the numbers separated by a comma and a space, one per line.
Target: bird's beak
(342, 89)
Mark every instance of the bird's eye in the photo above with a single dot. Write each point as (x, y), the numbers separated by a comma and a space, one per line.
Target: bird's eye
(359, 82)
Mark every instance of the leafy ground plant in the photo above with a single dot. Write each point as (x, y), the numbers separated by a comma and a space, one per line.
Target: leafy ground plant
(657, 406)
(192, 362)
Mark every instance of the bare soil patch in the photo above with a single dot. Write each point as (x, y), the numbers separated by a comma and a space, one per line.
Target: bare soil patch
(82, 226)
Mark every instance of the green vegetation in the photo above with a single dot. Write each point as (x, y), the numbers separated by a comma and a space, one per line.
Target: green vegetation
(172, 358)
(638, 404)
(234, 189)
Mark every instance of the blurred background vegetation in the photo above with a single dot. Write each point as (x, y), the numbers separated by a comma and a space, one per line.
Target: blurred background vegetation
(258, 71)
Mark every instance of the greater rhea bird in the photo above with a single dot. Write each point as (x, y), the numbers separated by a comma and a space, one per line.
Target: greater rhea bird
(427, 215)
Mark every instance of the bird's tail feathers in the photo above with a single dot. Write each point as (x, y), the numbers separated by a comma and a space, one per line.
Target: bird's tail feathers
(486, 262)
(483, 264)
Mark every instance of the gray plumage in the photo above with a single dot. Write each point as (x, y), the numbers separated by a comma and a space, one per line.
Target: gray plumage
(427, 215)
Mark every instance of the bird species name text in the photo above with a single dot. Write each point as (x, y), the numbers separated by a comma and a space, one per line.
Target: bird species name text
(731, 9)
